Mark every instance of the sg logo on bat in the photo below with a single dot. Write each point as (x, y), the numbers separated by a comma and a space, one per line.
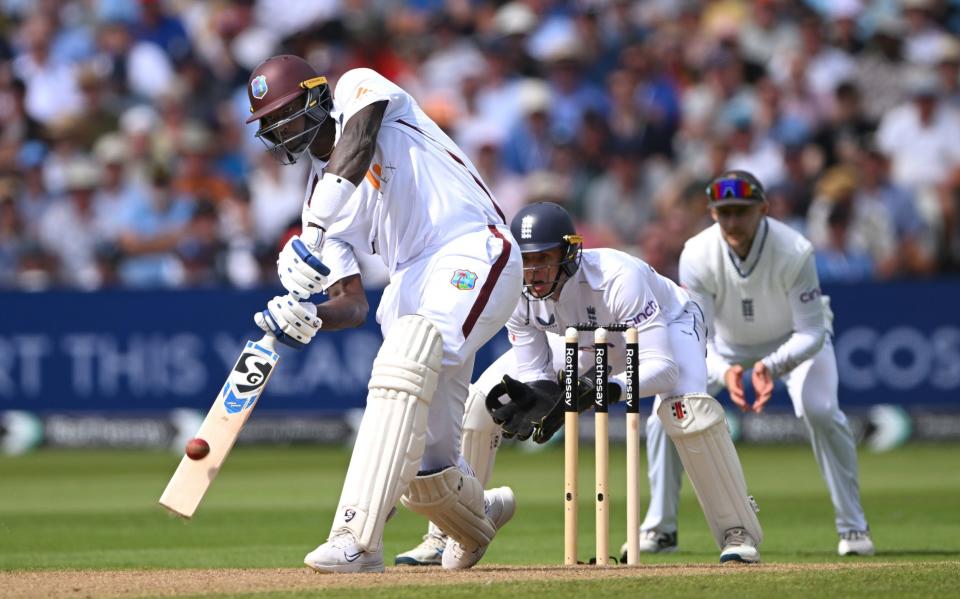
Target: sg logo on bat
(247, 378)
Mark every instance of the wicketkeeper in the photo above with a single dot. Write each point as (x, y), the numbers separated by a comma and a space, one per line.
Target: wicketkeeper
(519, 395)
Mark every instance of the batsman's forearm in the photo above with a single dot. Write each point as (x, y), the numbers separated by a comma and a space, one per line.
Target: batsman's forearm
(353, 153)
(347, 307)
(341, 313)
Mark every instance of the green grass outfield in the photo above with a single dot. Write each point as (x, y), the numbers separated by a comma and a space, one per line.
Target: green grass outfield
(97, 510)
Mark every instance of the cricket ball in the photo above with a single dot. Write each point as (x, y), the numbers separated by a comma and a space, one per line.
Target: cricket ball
(197, 449)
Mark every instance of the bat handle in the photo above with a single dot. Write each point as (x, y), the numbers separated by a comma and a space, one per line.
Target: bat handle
(268, 341)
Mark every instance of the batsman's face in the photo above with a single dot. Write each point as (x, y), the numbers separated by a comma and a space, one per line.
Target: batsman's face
(280, 124)
(739, 224)
(540, 270)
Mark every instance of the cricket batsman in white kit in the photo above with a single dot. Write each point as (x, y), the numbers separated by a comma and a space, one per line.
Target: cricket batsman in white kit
(387, 181)
(757, 283)
(565, 285)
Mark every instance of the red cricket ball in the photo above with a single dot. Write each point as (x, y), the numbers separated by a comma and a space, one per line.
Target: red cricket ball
(197, 449)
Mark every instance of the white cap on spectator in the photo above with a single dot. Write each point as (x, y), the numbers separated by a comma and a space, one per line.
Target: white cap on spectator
(478, 134)
(81, 174)
(195, 138)
(890, 27)
(110, 149)
(844, 9)
(564, 49)
(544, 186)
(949, 50)
(252, 46)
(138, 119)
(514, 18)
(922, 83)
(534, 96)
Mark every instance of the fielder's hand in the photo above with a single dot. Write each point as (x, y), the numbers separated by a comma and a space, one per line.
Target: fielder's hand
(293, 323)
(301, 271)
(733, 379)
(762, 386)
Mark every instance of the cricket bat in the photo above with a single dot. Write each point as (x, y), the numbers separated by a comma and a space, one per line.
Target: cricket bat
(222, 426)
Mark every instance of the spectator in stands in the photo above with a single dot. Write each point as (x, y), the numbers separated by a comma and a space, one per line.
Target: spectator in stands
(922, 140)
(33, 197)
(865, 227)
(117, 195)
(71, 229)
(151, 236)
(12, 237)
(915, 247)
(881, 69)
(529, 141)
(788, 89)
(845, 129)
(836, 260)
(51, 86)
(621, 199)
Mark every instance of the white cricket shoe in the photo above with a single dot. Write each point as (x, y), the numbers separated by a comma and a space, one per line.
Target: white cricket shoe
(652, 541)
(499, 505)
(739, 546)
(855, 542)
(341, 555)
(427, 553)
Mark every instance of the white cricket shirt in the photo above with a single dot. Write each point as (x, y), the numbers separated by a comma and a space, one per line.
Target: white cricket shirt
(768, 306)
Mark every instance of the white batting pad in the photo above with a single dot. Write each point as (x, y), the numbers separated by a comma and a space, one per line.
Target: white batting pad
(453, 500)
(481, 436)
(392, 434)
(698, 427)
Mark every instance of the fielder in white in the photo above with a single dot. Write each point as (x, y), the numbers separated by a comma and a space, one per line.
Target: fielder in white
(756, 281)
(386, 180)
(565, 286)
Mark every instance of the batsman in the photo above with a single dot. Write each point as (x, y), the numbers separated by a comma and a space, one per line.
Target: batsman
(519, 395)
(386, 180)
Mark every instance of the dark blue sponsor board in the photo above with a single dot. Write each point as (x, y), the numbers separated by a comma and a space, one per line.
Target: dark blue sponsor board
(155, 350)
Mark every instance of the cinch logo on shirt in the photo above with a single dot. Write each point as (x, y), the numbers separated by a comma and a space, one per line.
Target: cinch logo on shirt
(809, 296)
(464, 280)
(649, 310)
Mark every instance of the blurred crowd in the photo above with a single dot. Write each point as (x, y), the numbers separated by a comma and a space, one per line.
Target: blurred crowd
(124, 160)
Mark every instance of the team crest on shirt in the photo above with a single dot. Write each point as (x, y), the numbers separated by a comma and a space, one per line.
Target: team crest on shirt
(464, 280)
(747, 309)
(258, 87)
(592, 315)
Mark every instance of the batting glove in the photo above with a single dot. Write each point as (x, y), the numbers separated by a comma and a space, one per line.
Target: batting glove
(301, 272)
(293, 323)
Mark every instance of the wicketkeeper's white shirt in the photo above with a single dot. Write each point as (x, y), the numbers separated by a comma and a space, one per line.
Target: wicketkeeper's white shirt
(609, 287)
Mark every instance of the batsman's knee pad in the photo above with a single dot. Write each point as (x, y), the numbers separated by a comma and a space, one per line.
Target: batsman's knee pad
(698, 427)
(392, 433)
(453, 500)
(481, 436)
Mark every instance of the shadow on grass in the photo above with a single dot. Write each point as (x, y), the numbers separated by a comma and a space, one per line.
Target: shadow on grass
(885, 553)
(925, 552)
